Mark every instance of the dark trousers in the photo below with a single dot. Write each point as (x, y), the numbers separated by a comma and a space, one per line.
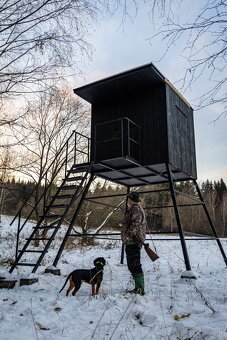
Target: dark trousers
(133, 259)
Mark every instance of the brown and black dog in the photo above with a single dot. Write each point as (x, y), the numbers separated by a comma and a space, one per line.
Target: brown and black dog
(93, 276)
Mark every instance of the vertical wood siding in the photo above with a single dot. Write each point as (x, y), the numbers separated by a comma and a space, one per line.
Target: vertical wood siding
(167, 133)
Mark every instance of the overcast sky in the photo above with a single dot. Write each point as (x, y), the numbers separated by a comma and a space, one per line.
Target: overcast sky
(117, 50)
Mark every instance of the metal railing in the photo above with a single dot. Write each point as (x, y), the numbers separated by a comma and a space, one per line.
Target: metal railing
(117, 138)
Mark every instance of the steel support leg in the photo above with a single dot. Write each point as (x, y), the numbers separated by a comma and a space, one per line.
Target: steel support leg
(123, 246)
(180, 228)
(122, 253)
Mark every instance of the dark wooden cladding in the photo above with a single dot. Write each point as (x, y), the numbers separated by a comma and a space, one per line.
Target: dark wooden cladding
(181, 140)
(144, 97)
(154, 140)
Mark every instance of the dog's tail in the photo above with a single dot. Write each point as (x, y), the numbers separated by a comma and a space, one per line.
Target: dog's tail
(65, 282)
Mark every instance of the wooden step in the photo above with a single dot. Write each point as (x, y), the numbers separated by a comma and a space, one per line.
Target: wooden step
(9, 284)
(28, 281)
(54, 271)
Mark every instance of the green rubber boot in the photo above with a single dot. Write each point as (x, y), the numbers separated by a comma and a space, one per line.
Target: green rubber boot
(139, 284)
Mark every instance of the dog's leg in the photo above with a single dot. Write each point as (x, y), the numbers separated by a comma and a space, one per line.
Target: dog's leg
(93, 289)
(97, 288)
(71, 286)
(76, 288)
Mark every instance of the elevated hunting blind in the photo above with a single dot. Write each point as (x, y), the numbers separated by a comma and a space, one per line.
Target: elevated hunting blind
(140, 122)
(142, 133)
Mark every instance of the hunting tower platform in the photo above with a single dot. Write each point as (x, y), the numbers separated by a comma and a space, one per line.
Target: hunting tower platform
(140, 122)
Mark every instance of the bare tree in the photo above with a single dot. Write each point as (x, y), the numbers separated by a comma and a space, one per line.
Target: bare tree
(41, 133)
(201, 39)
(49, 121)
(38, 37)
(204, 46)
(37, 40)
(42, 40)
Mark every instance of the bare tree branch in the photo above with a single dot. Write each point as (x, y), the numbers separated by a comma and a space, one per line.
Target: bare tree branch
(204, 46)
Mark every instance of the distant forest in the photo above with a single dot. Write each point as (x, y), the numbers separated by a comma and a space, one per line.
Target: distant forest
(158, 206)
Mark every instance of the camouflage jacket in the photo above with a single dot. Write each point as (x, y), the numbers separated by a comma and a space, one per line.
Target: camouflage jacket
(134, 225)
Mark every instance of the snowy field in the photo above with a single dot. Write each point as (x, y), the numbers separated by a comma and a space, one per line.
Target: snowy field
(172, 308)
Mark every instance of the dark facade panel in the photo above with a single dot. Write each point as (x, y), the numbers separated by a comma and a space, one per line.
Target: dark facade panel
(145, 109)
(181, 141)
(154, 127)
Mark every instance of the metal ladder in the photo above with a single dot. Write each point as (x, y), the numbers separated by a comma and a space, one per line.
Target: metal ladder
(49, 222)
(57, 211)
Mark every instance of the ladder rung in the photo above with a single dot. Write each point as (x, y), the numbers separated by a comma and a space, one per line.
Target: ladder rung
(61, 197)
(82, 166)
(51, 216)
(45, 227)
(74, 179)
(40, 239)
(69, 187)
(78, 169)
(25, 264)
(52, 225)
(58, 206)
(30, 251)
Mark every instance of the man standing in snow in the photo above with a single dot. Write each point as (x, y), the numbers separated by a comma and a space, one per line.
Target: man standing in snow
(133, 235)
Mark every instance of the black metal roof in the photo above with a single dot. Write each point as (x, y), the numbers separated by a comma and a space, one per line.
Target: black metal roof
(137, 79)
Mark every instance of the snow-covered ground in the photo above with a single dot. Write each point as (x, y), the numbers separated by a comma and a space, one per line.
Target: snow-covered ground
(172, 308)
